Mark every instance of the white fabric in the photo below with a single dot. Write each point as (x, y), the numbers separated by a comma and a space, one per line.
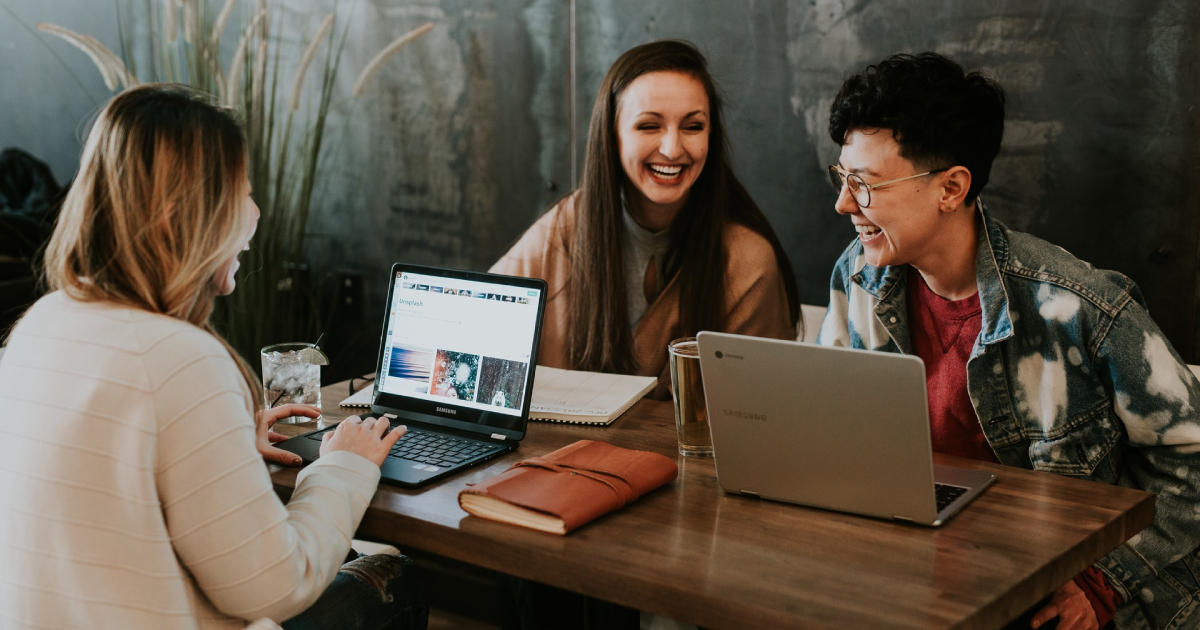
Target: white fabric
(131, 492)
(810, 322)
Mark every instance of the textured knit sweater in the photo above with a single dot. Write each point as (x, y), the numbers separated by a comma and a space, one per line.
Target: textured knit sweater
(131, 492)
(755, 296)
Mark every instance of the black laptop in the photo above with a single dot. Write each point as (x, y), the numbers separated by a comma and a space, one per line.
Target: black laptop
(455, 365)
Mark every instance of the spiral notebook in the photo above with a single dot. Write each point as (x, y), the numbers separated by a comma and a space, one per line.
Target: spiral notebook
(570, 396)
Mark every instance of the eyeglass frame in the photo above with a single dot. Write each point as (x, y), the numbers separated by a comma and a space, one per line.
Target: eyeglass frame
(844, 176)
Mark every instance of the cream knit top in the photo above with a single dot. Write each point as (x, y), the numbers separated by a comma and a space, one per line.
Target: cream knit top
(131, 492)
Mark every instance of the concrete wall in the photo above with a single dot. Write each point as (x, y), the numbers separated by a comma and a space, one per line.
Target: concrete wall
(471, 132)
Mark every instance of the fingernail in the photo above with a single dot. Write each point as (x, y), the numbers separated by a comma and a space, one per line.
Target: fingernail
(295, 460)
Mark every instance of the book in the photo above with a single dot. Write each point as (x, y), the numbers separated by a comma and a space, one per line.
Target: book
(360, 398)
(578, 397)
(568, 488)
(568, 396)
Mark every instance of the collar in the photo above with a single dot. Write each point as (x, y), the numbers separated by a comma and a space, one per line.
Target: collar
(991, 257)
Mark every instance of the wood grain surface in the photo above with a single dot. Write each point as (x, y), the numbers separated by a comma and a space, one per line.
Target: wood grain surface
(691, 552)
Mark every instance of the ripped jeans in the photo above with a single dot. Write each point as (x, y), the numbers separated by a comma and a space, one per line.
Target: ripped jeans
(369, 593)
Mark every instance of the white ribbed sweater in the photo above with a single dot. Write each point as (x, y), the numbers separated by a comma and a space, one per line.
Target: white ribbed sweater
(131, 492)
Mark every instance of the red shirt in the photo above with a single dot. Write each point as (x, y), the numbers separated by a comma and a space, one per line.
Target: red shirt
(942, 333)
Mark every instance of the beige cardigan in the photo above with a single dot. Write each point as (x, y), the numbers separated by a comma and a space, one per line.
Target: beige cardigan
(756, 300)
(131, 492)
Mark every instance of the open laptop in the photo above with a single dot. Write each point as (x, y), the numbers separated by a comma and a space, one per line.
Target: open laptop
(834, 428)
(455, 365)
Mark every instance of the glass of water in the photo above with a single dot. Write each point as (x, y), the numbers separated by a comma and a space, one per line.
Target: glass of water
(687, 389)
(292, 374)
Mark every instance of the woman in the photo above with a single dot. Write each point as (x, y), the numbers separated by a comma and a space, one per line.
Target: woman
(661, 240)
(134, 493)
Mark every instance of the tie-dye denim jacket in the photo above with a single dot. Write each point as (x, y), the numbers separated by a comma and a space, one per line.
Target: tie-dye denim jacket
(1068, 375)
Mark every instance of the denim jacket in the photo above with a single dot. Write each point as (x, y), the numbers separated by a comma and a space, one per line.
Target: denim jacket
(1068, 375)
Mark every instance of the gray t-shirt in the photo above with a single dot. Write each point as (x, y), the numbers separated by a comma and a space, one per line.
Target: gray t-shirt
(640, 246)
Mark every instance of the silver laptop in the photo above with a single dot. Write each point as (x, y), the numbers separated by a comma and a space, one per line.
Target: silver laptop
(834, 428)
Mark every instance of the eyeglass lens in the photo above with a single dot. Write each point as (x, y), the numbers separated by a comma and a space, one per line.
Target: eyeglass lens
(862, 196)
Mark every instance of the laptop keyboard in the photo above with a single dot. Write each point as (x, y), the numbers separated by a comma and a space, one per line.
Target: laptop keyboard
(439, 449)
(947, 494)
(434, 449)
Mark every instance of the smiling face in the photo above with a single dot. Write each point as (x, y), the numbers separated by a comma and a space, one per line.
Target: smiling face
(902, 224)
(224, 277)
(662, 132)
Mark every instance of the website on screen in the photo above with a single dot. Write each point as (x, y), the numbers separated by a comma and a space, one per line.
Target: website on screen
(459, 341)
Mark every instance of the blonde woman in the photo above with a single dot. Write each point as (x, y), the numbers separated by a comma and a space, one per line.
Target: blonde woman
(133, 492)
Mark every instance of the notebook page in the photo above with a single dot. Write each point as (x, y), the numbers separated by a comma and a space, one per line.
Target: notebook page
(585, 393)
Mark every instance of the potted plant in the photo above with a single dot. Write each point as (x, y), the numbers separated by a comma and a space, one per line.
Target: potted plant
(285, 134)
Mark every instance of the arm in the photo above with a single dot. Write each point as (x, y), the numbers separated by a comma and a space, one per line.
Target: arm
(1157, 399)
(251, 556)
(835, 328)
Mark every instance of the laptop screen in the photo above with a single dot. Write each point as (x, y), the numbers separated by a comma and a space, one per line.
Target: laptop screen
(458, 346)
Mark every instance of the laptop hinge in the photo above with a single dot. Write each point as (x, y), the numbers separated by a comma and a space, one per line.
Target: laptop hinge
(749, 493)
(497, 436)
(902, 518)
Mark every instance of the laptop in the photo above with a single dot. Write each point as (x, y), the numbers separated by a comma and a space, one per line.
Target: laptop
(455, 365)
(833, 428)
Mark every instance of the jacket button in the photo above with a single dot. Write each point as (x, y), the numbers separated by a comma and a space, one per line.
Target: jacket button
(893, 320)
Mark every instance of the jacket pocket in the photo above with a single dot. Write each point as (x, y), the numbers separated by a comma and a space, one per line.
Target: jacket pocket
(1079, 446)
(1169, 602)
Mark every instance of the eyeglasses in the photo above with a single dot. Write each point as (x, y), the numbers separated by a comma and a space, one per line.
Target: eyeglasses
(860, 190)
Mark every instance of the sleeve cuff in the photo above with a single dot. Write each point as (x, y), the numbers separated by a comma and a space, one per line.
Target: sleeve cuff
(1125, 571)
(349, 467)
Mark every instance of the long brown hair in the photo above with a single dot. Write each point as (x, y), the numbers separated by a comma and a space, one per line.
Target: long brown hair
(156, 208)
(601, 338)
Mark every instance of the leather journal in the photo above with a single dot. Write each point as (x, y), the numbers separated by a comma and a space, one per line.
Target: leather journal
(563, 490)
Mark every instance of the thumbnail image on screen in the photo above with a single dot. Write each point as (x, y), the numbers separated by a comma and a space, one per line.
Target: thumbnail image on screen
(454, 375)
(410, 369)
(501, 382)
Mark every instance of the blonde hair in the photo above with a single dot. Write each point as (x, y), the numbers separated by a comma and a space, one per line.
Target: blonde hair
(156, 209)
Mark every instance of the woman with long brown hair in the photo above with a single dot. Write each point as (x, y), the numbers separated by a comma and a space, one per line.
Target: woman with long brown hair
(661, 240)
(135, 495)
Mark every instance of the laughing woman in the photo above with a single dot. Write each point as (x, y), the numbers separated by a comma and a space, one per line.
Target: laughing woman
(661, 240)
(134, 494)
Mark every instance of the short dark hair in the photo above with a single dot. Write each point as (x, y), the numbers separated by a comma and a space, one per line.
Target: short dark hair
(940, 115)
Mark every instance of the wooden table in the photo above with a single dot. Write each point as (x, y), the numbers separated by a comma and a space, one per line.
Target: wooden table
(690, 552)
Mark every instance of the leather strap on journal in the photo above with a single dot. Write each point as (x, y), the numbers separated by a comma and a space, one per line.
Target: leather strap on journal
(579, 482)
(623, 489)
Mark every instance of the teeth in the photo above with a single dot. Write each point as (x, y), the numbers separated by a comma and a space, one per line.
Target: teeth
(666, 171)
(867, 230)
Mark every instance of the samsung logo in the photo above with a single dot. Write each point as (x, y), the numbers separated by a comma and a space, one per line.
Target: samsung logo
(449, 411)
(745, 415)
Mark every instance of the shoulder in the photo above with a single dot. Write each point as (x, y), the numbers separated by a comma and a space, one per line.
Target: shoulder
(548, 236)
(748, 252)
(1040, 265)
(556, 224)
(118, 344)
(110, 325)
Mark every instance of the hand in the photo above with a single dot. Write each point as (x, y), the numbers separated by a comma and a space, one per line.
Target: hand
(1072, 608)
(364, 437)
(264, 437)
